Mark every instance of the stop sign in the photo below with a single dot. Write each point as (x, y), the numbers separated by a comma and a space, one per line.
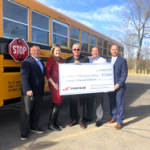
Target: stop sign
(19, 50)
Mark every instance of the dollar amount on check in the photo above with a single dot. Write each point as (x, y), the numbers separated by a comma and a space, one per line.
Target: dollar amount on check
(85, 78)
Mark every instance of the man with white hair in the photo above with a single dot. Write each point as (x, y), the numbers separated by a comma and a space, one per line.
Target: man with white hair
(77, 102)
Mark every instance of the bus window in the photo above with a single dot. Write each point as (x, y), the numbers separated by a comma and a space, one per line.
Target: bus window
(85, 42)
(122, 52)
(105, 48)
(99, 45)
(110, 44)
(60, 33)
(92, 42)
(40, 29)
(15, 25)
(74, 36)
(119, 48)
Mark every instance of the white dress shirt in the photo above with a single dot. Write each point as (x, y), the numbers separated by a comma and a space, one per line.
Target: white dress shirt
(113, 59)
(39, 63)
(97, 60)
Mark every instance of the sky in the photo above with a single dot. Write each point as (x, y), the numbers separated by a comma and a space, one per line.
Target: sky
(101, 15)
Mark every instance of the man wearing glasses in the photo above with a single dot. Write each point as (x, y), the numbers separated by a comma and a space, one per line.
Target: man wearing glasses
(77, 102)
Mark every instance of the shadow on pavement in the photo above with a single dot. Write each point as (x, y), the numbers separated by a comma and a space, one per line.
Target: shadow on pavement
(10, 127)
(137, 102)
(136, 105)
(133, 93)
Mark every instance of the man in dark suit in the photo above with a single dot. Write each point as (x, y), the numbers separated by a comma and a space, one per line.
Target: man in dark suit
(117, 96)
(32, 76)
(77, 102)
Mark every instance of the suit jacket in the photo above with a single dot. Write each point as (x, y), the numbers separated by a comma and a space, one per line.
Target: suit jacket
(32, 77)
(82, 59)
(120, 71)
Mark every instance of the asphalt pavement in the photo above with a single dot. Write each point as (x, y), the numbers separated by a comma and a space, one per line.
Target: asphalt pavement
(134, 135)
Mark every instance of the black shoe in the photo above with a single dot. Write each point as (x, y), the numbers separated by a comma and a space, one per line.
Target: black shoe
(23, 136)
(53, 127)
(99, 123)
(37, 130)
(87, 120)
(59, 125)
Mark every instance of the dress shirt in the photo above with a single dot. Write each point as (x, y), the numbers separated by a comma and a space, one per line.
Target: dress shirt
(75, 58)
(97, 60)
(113, 59)
(39, 63)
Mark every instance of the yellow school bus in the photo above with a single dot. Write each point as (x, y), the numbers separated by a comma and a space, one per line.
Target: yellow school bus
(39, 24)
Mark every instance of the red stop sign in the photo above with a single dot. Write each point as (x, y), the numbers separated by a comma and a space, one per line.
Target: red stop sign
(19, 50)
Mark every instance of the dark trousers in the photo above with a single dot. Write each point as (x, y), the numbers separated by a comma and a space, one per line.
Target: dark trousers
(77, 108)
(90, 105)
(30, 111)
(54, 113)
(116, 99)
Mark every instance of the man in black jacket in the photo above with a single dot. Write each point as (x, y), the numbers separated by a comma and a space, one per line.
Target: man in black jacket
(77, 102)
(32, 76)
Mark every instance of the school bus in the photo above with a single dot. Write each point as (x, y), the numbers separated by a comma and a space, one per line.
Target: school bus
(39, 24)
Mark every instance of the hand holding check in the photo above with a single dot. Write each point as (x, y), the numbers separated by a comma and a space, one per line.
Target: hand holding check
(77, 62)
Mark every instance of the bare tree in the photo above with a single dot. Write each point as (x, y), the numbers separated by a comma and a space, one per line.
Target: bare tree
(130, 53)
(136, 24)
(144, 60)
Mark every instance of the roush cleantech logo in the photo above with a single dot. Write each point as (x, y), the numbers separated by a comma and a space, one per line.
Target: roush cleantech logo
(66, 89)
(77, 88)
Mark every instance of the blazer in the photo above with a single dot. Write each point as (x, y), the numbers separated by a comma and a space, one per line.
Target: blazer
(82, 59)
(120, 71)
(32, 77)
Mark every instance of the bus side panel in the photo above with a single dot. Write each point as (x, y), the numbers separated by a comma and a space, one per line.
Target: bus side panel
(65, 55)
(11, 85)
(47, 54)
(1, 70)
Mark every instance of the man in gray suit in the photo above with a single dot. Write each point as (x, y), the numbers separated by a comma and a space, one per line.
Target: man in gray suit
(95, 58)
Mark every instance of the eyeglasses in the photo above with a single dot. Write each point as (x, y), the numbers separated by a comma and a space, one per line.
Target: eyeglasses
(76, 49)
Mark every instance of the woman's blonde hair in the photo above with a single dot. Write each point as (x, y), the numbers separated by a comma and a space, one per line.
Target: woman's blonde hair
(52, 52)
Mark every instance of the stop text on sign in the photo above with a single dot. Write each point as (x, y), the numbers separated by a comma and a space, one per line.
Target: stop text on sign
(19, 49)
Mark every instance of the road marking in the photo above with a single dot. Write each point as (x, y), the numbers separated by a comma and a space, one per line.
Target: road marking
(88, 131)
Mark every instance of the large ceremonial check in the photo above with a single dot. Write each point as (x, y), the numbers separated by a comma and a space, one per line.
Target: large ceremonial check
(85, 78)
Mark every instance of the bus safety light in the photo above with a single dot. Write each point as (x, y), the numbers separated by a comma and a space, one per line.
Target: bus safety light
(20, 41)
(20, 58)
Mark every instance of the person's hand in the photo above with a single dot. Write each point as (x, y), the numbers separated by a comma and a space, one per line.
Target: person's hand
(76, 62)
(56, 86)
(29, 93)
(116, 87)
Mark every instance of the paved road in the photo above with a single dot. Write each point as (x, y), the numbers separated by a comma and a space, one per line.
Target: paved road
(134, 135)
